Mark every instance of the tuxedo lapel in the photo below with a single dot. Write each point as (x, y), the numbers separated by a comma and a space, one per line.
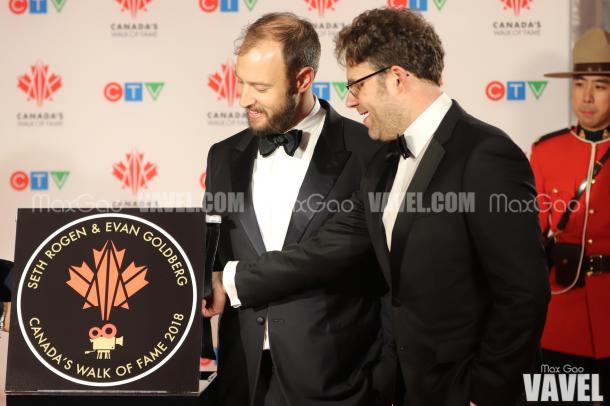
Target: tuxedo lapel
(421, 179)
(327, 163)
(377, 200)
(419, 184)
(242, 164)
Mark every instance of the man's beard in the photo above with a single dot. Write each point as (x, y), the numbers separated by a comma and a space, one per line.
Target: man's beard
(279, 121)
(386, 118)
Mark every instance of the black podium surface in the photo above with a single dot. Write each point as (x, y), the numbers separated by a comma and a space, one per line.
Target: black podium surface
(106, 307)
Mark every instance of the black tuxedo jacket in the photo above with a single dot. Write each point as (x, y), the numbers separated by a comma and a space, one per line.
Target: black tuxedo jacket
(326, 343)
(469, 289)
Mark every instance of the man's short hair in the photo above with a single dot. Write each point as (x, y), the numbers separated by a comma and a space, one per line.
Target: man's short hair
(386, 37)
(299, 39)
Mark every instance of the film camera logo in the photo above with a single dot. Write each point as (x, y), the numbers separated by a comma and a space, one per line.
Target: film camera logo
(106, 322)
(106, 287)
(104, 340)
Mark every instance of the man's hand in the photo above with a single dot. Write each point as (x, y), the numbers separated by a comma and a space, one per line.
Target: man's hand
(6, 316)
(216, 303)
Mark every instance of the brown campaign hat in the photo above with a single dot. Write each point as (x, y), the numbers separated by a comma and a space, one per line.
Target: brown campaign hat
(591, 55)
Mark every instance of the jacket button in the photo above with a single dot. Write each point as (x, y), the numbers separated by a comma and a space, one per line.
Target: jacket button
(401, 348)
(260, 320)
(396, 302)
(591, 211)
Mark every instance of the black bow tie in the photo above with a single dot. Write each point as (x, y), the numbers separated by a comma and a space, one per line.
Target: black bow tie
(402, 146)
(290, 141)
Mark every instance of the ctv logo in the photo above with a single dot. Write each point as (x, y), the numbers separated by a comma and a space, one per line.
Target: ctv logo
(39, 84)
(416, 5)
(133, 173)
(38, 180)
(132, 91)
(517, 5)
(322, 89)
(514, 90)
(224, 83)
(565, 384)
(133, 6)
(226, 6)
(34, 6)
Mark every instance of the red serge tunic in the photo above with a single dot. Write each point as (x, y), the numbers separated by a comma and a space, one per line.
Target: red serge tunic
(578, 321)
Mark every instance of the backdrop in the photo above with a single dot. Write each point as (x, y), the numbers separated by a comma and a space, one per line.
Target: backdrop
(115, 103)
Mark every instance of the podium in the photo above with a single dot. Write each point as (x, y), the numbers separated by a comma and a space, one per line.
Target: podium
(107, 303)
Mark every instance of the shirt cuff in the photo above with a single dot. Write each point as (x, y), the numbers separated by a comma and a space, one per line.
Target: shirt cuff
(228, 281)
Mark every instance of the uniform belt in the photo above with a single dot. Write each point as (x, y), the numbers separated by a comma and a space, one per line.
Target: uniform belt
(566, 258)
(596, 264)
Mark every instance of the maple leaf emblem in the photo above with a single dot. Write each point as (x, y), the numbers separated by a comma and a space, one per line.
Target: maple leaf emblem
(134, 173)
(224, 83)
(516, 5)
(133, 6)
(321, 5)
(108, 285)
(39, 85)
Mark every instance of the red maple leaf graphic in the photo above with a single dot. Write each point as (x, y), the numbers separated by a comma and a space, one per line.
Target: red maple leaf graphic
(224, 83)
(133, 6)
(134, 173)
(108, 285)
(516, 5)
(321, 5)
(39, 85)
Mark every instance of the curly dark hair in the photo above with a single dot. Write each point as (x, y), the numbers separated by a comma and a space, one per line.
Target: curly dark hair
(385, 37)
(300, 43)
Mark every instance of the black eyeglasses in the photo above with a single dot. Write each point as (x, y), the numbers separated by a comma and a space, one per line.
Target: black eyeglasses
(354, 90)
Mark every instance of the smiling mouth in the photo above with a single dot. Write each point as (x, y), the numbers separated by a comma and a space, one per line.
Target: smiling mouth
(255, 114)
(366, 116)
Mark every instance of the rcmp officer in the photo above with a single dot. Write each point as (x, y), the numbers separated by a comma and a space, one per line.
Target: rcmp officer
(574, 200)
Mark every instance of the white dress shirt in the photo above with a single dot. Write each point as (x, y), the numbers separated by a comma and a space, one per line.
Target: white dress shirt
(417, 136)
(276, 181)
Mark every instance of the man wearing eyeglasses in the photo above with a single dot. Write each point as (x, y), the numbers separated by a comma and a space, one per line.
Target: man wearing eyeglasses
(297, 161)
(468, 284)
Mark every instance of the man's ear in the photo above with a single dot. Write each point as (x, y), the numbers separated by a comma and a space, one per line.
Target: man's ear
(305, 79)
(399, 76)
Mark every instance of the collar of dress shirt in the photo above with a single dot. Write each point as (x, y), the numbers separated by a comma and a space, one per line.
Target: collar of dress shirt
(311, 126)
(311, 120)
(419, 133)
